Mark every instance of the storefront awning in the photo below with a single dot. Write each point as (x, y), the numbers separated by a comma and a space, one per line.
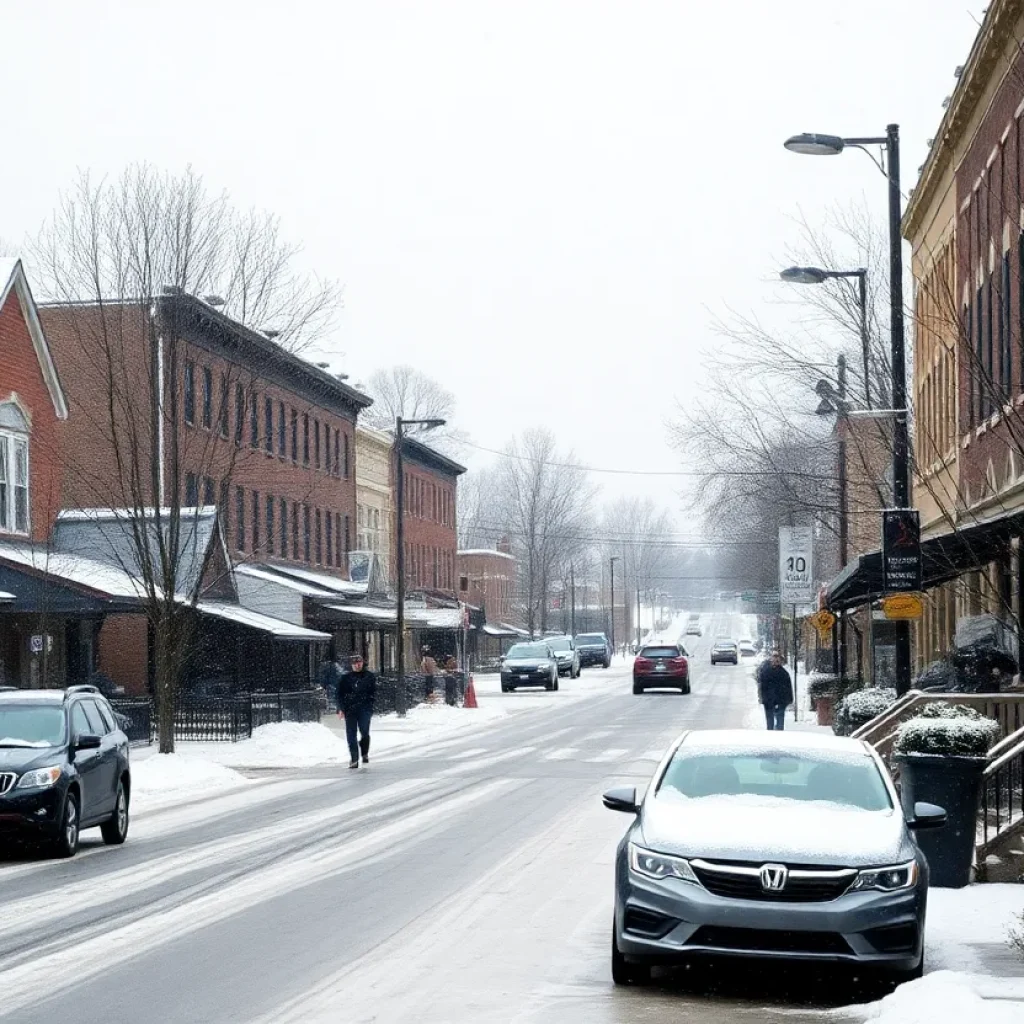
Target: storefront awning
(502, 629)
(277, 628)
(943, 558)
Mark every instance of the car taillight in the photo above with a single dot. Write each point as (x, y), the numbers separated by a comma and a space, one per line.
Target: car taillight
(679, 662)
(643, 663)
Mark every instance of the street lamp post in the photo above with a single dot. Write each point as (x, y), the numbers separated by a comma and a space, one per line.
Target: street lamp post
(400, 425)
(832, 145)
(611, 562)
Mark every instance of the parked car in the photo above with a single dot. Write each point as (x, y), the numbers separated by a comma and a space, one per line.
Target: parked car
(748, 649)
(529, 664)
(661, 666)
(694, 628)
(63, 767)
(594, 649)
(725, 650)
(814, 862)
(566, 655)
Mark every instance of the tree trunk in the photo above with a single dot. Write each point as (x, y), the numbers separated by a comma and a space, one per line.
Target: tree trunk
(165, 657)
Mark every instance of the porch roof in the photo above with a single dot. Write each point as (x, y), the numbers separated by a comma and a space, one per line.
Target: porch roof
(277, 628)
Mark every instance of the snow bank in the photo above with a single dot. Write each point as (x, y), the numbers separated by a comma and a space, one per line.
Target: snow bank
(285, 745)
(944, 997)
(171, 778)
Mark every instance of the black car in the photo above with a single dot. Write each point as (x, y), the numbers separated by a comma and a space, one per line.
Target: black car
(594, 649)
(63, 767)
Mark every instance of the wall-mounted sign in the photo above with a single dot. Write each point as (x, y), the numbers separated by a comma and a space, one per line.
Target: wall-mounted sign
(901, 550)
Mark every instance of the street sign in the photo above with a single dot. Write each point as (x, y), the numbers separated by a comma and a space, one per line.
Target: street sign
(36, 644)
(903, 606)
(823, 621)
(796, 564)
(901, 550)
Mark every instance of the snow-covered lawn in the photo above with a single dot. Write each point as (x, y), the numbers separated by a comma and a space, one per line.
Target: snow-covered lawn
(176, 778)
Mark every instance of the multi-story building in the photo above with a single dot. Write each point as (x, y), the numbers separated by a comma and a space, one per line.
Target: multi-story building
(487, 580)
(374, 526)
(430, 484)
(209, 412)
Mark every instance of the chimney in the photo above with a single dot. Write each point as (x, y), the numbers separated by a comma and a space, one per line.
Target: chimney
(505, 546)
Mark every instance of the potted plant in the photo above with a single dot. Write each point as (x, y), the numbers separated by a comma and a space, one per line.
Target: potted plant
(860, 706)
(941, 755)
(825, 691)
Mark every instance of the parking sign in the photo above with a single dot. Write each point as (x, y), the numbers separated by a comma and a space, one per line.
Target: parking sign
(796, 565)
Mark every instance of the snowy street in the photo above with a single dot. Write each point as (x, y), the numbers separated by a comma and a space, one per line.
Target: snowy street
(466, 877)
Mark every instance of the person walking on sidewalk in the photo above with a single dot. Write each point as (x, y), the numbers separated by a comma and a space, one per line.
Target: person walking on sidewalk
(775, 691)
(428, 666)
(357, 691)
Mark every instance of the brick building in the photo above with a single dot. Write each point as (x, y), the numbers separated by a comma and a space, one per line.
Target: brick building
(431, 482)
(487, 579)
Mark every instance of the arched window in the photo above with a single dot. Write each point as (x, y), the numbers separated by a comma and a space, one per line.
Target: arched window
(14, 429)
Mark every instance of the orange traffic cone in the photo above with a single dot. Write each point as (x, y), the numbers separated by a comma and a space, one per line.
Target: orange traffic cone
(469, 701)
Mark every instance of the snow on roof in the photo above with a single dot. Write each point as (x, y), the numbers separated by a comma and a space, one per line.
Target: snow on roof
(12, 277)
(255, 620)
(85, 572)
(5, 596)
(487, 551)
(319, 579)
(747, 739)
(365, 611)
(266, 576)
(94, 515)
(437, 618)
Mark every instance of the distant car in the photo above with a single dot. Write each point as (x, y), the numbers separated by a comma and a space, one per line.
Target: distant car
(694, 629)
(748, 648)
(529, 664)
(565, 654)
(594, 649)
(772, 845)
(659, 666)
(725, 650)
(63, 767)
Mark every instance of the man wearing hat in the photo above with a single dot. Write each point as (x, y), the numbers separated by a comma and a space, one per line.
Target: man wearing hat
(357, 691)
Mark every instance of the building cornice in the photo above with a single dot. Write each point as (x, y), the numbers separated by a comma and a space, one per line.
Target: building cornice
(982, 62)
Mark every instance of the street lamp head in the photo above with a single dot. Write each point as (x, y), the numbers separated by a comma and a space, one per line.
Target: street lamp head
(426, 424)
(812, 144)
(804, 275)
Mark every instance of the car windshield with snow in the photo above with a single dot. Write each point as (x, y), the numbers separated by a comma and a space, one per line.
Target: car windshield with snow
(778, 845)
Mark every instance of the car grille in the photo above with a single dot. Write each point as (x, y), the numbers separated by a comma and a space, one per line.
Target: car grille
(766, 941)
(7, 780)
(743, 882)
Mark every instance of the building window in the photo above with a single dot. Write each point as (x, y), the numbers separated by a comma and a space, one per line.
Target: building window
(305, 534)
(295, 530)
(978, 370)
(255, 521)
(190, 391)
(223, 509)
(14, 488)
(346, 454)
(316, 445)
(254, 422)
(336, 466)
(305, 439)
(223, 412)
(270, 524)
(329, 528)
(209, 492)
(268, 425)
(282, 431)
(348, 534)
(239, 413)
(207, 397)
(284, 527)
(1005, 346)
(319, 537)
(295, 436)
(191, 491)
(239, 519)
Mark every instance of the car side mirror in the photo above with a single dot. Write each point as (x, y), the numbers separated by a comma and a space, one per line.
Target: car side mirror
(87, 741)
(927, 816)
(622, 799)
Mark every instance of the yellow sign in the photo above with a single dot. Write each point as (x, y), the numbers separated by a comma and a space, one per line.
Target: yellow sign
(823, 622)
(903, 606)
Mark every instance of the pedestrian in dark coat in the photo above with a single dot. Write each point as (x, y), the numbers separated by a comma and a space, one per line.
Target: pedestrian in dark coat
(775, 691)
(357, 692)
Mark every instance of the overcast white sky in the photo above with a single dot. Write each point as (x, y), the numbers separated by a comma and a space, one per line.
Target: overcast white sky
(540, 202)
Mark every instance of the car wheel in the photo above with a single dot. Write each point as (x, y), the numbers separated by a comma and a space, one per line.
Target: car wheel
(637, 688)
(624, 973)
(66, 842)
(685, 689)
(556, 684)
(505, 687)
(607, 664)
(899, 977)
(115, 829)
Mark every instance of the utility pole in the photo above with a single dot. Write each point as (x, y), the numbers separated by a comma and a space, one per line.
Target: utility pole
(638, 613)
(611, 562)
(842, 425)
(572, 586)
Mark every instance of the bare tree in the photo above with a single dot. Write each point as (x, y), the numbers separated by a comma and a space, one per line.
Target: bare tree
(123, 259)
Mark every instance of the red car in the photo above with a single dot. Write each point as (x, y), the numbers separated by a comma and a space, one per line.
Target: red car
(661, 666)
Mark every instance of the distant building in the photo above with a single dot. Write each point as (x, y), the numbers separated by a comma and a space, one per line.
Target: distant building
(374, 503)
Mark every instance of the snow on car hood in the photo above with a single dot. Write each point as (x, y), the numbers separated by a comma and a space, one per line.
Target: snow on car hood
(762, 829)
(526, 663)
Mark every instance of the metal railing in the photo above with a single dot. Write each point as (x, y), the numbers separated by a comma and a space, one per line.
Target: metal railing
(1002, 793)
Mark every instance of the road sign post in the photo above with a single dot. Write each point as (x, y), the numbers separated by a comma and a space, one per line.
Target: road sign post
(796, 565)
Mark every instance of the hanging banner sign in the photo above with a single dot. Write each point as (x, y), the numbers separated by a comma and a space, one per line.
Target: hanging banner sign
(796, 565)
(901, 551)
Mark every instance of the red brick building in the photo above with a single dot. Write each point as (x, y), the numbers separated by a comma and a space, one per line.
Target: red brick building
(431, 483)
(242, 424)
(487, 579)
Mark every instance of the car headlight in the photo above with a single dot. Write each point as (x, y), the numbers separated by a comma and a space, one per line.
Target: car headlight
(900, 876)
(562, 656)
(41, 778)
(659, 865)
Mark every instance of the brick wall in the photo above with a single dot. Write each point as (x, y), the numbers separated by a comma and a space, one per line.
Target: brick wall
(490, 578)
(21, 375)
(429, 524)
(122, 651)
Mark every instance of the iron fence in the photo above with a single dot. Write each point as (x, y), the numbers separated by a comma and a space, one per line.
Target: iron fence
(135, 716)
(1002, 793)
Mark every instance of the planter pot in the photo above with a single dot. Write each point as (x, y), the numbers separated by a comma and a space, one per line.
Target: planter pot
(953, 783)
(825, 706)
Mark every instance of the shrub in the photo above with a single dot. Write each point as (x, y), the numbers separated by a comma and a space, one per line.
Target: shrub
(1016, 936)
(939, 709)
(957, 735)
(859, 707)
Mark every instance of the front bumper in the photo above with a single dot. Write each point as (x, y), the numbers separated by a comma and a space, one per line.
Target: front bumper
(541, 678)
(668, 922)
(36, 811)
(593, 657)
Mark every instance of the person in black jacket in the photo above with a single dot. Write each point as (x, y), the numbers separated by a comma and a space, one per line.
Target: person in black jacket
(357, 691)
(775, 691)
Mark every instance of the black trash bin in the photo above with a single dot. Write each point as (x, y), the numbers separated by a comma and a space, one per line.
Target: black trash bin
(953, 783)
(451, 689)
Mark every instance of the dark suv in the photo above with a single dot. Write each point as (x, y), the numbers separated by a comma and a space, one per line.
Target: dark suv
(63, 767)
(594, 649)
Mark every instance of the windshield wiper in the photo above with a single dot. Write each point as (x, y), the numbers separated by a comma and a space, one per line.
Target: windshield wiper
(16, 743)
